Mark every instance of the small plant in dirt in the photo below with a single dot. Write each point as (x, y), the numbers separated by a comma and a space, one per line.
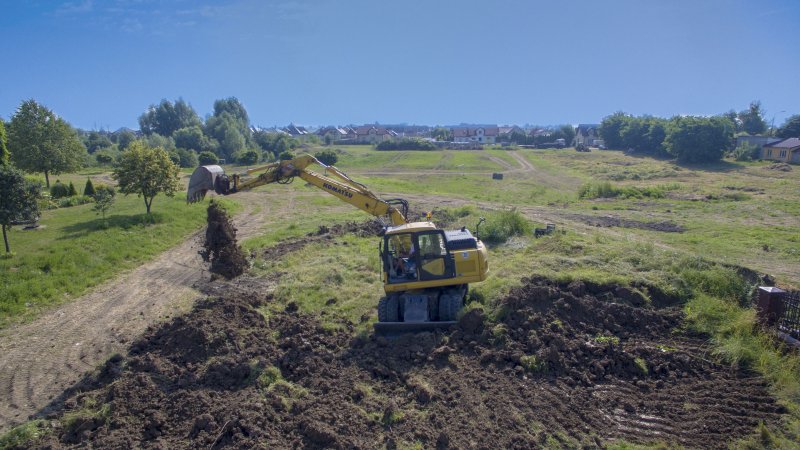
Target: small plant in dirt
(220, 247)
(533, 364)
(613, 340)
(392, 414)
(269, 376)
(641, 364)
(22, 435)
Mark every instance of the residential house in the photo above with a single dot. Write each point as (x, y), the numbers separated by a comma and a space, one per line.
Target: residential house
(760, 141)
(587, 134)
(338, 133)
(295, 131)
(787, 150)
(483, 135)
(505, 132)
(373, 134)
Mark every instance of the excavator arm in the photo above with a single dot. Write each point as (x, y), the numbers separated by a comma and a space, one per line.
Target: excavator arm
(330, 180)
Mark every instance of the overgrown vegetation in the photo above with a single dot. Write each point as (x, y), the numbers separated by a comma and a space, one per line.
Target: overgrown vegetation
(608, 190)
(503, 225)
(405, 144)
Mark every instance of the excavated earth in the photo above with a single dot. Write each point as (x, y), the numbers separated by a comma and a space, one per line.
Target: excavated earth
(569, 366)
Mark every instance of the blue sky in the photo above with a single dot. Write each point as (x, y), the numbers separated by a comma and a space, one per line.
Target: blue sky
(99, 64)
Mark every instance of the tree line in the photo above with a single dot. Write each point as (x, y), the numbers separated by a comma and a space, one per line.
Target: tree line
(692, 139)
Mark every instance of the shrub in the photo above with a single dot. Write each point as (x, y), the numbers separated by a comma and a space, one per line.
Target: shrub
(205, 158)
(75, 200)
(503, 225)
(103, 158)
(59, 190)
(746, 152)
(174, 157)
(285, 156)
(405, 144)
(72, 191)
(88, 190)
(188, 158)
(247, 157)
(327, 157)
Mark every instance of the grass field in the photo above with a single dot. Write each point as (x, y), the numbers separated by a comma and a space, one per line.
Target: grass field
(74, 249)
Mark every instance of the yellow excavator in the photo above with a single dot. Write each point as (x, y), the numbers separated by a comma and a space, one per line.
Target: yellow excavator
(426, 270)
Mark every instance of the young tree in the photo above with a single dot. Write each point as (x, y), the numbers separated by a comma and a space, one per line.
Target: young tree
(17, 200)
(146, 171)
(103, 199)
(327, 157)
(207, 158)
(88, 189)
(40, 141)
(3, 149)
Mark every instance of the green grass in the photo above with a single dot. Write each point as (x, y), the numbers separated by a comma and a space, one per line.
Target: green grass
(75, 249)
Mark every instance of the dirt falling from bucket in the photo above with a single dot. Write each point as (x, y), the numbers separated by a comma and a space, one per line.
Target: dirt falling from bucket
(220, 247)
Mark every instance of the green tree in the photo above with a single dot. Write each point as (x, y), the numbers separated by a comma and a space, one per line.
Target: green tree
(752, 119)
(72, 191)
(17, 200)
(247, 157)
(187, 158)
(124, 138)
(207, 158)
(327, 157)
(4, 156)
(89, 190)
(699, 139)
(442, 134)
(97, 141)
(167, 117)
(146, 172)
(192, 138)
(611, 129)
(103, 199)
(790, 128)
(40, 141)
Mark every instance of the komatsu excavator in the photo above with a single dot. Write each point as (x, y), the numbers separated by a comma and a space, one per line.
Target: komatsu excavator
(426, 270)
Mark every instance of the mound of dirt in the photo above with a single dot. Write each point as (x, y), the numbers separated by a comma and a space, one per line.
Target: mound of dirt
(323, 233)
(561, 368)
(220, 247)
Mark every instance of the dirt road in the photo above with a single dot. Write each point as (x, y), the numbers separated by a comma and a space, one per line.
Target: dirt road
(39, 360)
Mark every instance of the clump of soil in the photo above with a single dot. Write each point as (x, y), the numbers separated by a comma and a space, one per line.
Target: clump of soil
(561, 368)
(220, 247)
(614, 221)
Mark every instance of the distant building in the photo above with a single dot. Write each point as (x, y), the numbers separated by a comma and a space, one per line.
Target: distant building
(787, 150)
(294, 130)
(587, 134)
(756, 140)
(373, 134)
(482, 135)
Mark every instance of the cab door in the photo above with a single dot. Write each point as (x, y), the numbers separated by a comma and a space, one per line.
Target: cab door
(433, 259)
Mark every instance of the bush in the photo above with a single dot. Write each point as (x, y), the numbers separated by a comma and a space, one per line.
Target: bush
(205, 158)
(88, 190)
(501, 226)
(327, 157)
(76, 200)
(174, 157)
(103, 158)
(247, 157)
(59, 190)
(72, 191)
(405, 144)
(188, 158)
(285, 156)
(746, 152)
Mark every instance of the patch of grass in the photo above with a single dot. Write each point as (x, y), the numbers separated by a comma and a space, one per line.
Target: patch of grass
(641, 364)
(533, 364)
(74, 250)
(607, 190)
(503, 225)
(607, 339)
(23, 435)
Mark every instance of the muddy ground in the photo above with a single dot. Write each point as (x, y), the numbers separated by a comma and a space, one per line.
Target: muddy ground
(564, 365)
(614, 221)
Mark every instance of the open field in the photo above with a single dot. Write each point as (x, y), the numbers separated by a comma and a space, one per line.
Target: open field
(283, 335)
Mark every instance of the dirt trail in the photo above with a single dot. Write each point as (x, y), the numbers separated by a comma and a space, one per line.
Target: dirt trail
(38, 360)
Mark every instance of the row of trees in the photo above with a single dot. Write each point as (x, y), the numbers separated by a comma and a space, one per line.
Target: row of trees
(687, 138)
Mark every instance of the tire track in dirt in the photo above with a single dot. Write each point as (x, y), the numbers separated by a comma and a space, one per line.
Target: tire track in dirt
(40, 359)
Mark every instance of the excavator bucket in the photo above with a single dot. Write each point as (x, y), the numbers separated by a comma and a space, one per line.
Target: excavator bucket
(203, 180)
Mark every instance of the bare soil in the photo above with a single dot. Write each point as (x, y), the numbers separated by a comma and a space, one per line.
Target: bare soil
(614, 221)
(570, 366)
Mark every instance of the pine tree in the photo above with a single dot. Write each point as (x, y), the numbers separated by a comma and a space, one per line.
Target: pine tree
(88, 190)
